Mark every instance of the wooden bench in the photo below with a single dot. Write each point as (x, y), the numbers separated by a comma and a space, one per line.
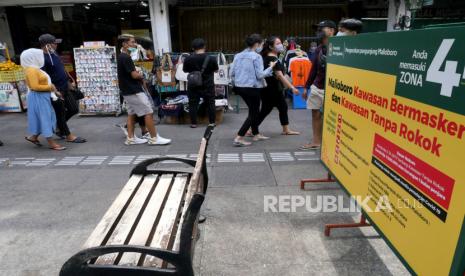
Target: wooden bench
(151, 227)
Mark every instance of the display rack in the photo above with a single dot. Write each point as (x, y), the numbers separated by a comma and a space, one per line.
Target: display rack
(13, 89)
(97, 78)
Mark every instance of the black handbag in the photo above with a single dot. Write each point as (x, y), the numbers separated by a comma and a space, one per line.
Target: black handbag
(195, 79)
(78, 95)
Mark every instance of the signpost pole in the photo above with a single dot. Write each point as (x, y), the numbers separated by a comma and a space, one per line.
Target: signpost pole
(363, 223)
(328, 227)
(328, 179)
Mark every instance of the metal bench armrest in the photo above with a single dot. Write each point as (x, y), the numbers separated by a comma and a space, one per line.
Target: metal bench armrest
(141, 168)
(79, 263)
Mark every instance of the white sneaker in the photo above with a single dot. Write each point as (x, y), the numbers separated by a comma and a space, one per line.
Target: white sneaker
(158, 141)
(146, 136)
(135, 141)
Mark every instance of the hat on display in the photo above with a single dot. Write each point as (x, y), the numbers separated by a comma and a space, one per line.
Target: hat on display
(49, 39)
(327, 23)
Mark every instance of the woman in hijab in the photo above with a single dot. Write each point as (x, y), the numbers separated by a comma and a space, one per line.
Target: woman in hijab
(40, 114)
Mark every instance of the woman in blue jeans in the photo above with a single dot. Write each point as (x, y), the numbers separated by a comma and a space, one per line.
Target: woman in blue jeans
(248, 75)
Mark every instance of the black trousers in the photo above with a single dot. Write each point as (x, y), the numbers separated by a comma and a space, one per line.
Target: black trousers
(194, 99)
(271, 99)
(71, 104)
(251, 97)
(65, 109)
(60, 112)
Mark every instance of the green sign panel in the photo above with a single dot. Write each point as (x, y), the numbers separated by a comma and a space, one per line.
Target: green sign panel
(431, 70)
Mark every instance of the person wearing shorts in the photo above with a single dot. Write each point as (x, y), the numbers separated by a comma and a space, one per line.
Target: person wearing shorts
(138, 103)
(314, 92)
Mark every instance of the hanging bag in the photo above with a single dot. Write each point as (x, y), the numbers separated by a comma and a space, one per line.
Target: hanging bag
(180, 74)
(195, 79)
(166, 73)
(222, 76)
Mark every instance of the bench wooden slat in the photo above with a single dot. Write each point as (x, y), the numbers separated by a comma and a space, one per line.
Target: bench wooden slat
(108, 220)
(122, 230)
(164, 233)
(192, 189)
(148, 220)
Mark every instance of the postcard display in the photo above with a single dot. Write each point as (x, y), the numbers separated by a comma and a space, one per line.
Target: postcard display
(97, 78)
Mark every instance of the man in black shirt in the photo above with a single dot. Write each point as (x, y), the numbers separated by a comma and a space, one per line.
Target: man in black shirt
(207, 90)
(138, 103)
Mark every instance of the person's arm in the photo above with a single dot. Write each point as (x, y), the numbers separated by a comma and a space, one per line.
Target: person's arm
(312, 74)
(259, 72)
(231, 70)
(32, 78)
(130, 68)
(280, 76)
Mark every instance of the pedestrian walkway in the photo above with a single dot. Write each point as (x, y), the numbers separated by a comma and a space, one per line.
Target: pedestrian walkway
(119, 160)
(62, 195)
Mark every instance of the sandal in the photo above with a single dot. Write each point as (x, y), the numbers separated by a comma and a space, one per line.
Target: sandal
(57, 148)
(77, 140)
(310, 147)
(35, 142)
(241, 143)
(290, 132)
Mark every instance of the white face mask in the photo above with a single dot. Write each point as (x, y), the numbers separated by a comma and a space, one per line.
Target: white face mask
(341, 34)
(50, 51)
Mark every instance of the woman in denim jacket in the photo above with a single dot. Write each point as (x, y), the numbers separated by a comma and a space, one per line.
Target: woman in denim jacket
(248, 78)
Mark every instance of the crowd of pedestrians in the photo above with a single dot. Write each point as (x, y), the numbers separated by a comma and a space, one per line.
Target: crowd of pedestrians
(258, 77)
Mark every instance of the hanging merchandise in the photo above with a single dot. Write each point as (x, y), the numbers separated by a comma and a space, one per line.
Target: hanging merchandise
(222, 76)
(13, 89)
(300, 67)
(180, 74)
(220, 91)
(166, 73)
(9, 97)
(21, 85)
(97, 79)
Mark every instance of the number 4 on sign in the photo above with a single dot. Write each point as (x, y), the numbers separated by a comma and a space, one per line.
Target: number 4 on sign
(448, 78)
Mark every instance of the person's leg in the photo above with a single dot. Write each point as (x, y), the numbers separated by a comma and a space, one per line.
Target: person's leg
(281, 104)
(141, 122)
(131, 123)
(210, 99)
(317, 127)
(267, 106)
(255, 111)
(244, 93)
(150, 125)
(71, 105)
(315, 102)
(194, 99)
(60, 112)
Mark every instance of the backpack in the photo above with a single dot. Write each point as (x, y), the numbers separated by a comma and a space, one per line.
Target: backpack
(195, 79)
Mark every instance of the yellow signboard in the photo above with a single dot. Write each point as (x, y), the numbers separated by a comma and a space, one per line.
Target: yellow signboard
(394, 131)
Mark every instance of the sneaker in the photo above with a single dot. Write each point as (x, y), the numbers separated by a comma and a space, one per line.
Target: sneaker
(146, 136)
(241, 143)
(135, 141)
(260, 137)
(159, 141)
